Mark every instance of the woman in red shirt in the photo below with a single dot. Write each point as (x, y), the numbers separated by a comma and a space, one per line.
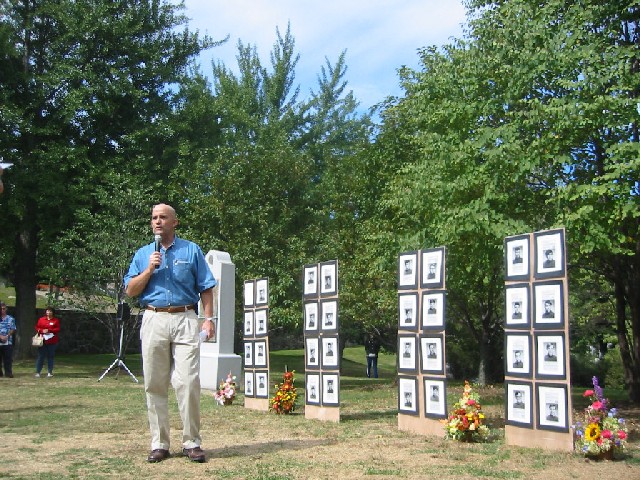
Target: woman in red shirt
(47, 326)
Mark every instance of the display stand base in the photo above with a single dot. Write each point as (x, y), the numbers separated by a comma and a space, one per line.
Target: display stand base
(525, 437)
(261, 404)
(421, 426)
(327, 414)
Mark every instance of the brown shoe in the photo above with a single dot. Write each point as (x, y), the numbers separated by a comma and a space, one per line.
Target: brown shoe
(195, 454)
(157, 455)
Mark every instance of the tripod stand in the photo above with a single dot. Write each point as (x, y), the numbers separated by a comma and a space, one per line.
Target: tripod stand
(119, 362)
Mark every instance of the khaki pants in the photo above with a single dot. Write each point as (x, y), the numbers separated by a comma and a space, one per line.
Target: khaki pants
(171, 353)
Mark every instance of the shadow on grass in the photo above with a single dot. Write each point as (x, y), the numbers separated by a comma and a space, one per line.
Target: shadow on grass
(266, 448)
(369, 415)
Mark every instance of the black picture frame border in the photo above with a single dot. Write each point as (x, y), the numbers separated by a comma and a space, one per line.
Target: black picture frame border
(245, 335)
(423, 307)
(416, 270)
(244, 353)
(256, 343)
(556, 325)
(508, 369)
(323, 365)
(248, 373)
(561, 356)
(424, 283)
(257, 372)
(316, 330)
(416, 311)
(308, 339)
(416, 400)
(526, 325)
(508, 274)
(305, 268)
(334, 290)
(557, 272)
(257, 303)
(539, 412)
(442, 381)
(255, 325)
(414, 369)
(528, 423)
(253, 295)
(325, 402)
(321, 309)
(307, 388)
(441, 338)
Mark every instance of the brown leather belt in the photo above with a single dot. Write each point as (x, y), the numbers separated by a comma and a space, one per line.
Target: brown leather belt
(182, 308)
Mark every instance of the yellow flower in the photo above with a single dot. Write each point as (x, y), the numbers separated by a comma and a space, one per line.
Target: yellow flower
(592, 432)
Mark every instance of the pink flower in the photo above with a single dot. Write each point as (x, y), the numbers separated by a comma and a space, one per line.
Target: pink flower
(587, 393)
(606, 433)
(471, 401)
(622, 434)
(597, 405)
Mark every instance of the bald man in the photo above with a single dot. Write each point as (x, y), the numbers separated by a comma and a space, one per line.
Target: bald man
(169, 284)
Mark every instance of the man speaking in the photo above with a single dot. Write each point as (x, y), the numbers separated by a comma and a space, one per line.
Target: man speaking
(170, 278)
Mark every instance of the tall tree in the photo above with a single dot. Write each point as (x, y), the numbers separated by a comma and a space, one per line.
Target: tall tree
(86, 88)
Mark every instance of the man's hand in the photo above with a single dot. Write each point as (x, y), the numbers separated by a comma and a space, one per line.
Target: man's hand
(209, 326)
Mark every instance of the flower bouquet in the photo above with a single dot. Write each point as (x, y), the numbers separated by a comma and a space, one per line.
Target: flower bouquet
(226, 392)
(465, 421)
(284, 401)
(602, 434)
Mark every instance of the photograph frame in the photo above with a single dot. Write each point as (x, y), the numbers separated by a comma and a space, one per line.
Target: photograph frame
(249, 293)
(548, 305)
(549, 242)
(261, 315)
(249, 384)
(519, 411)
(260, 357)
(408, 303)
(517, 306)
(312, 316)
(312, 346)
(312, 386)
(248, 354)
(518, 355)
(330, 389)
(550, 350)
(517, 257)
(262, 291)
(428, 320)
(408, 395)
(547, 395)
(328, 278)
(330, 353)
(310, 280)
(248, 331)
(407, 353)
(432, 267)
(435, 408)
(262, 389)
(408, 270)
(432, 354)
(329, 315)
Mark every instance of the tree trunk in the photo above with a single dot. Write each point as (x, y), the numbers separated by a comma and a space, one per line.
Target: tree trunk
(25, 285)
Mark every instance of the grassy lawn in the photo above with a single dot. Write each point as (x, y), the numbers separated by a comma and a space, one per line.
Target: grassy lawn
(72, 426)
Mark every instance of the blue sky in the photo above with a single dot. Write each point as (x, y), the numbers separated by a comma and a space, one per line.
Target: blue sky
(379, 36)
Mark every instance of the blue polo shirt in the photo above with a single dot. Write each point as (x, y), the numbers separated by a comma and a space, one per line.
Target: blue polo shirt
(180, 278)
(7, 324)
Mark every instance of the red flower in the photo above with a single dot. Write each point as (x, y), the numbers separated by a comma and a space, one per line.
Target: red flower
(597, 405)
(606, 433)
(588, 393)
(622, 434)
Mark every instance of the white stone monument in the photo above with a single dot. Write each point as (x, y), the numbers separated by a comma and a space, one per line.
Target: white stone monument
(216, 355)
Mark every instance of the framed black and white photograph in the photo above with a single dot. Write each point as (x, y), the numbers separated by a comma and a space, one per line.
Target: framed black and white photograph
(310, 280)
(260, 354)
(249, 290)
(249, 383)
(432, 354)
(549, 254)
(262, 322)
(518, 355)
(312, 389)
(311, 316)
(517, 257)
(407, 354)
(248, 354)
(329, 315)
(519, 404)
(435, 398)
(330, 353)
(408, 395)
(329, 278)
(432, 265)
(408, 311)
(552, 407)
(262, 291)
(433, 310)
(550, 356)
(262, 384)
(312, 353)
(517, 306)
(248, 324)
(408, 270)
(548, 305)
(330, 389)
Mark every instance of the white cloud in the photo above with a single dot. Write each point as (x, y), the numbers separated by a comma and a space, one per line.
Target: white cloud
(379, 36)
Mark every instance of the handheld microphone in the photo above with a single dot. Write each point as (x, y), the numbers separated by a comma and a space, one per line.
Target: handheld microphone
(158, 240)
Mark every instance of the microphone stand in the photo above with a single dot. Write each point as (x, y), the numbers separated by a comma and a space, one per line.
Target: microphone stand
(119, 361)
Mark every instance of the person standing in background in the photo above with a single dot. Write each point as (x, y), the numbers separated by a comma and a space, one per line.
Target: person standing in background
(49, 327)
(372, 348)
(7, 329)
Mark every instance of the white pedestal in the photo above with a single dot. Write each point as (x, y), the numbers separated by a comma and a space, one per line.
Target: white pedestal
(216, 355)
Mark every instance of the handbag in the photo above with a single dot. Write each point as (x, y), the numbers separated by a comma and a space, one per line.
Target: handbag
(37, 340)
